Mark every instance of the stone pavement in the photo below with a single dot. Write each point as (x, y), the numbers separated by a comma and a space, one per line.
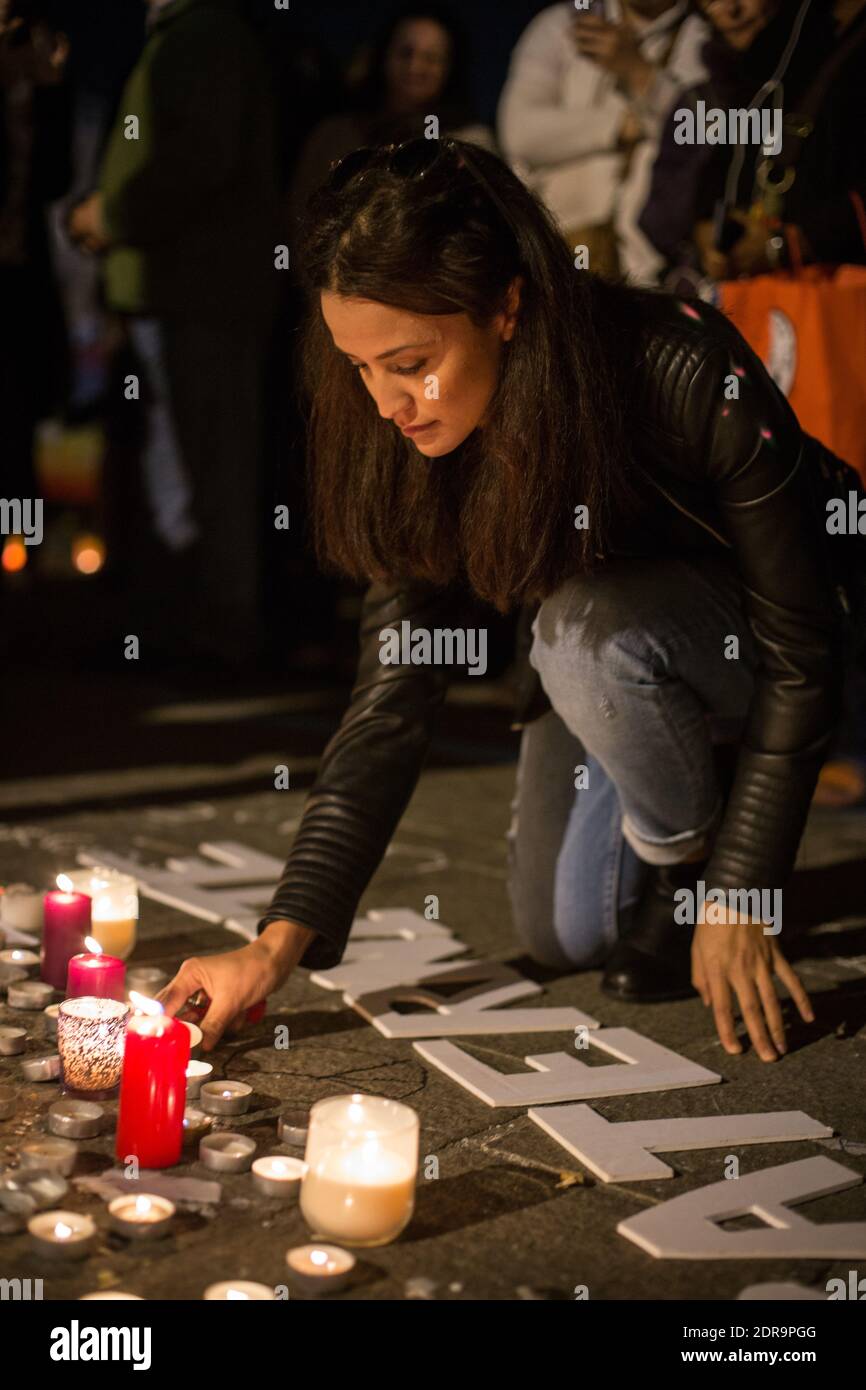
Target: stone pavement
(512, 1214)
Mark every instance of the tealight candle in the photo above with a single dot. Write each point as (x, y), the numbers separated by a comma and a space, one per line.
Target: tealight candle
(319, 1269)
(41, 1068)
(227, 1152)
(293, 1127)
(91, 1035)
(7, 1102)
(55, 1155)
(196, 1073)
(96, 974)
(12, 1041)
(67, 923)
(114, 911)
(27, 1190)
(10, 975)
(195, 1036)
(16, 958)
(238, 1290)
(225, 1097)
(278, 1177)
(146, 979)
(21, 908)
(153, 1090)
(29, 994)
(362, 1160)
(141, 1218)
(195, 1124)
(50, 1017)
(62, 1235)
(76, 1119)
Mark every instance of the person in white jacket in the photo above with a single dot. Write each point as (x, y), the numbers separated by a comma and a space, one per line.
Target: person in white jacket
(583, 106)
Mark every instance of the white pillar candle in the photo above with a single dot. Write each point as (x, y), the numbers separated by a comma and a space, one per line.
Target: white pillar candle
(114, 914)
(143, 1217)
(21, 908)
(319, 1269)
(238, 1290)
(278, 1177)
(62, 1235)
(362, 1160)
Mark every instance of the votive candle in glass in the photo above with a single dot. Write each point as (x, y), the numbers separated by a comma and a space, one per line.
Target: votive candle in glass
(90, 1039)
(96, 974)
(67, 923)
(153, 1088)
(114, 912)
(362, 1162)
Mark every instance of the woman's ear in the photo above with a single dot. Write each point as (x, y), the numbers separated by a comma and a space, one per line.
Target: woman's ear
(512, 308)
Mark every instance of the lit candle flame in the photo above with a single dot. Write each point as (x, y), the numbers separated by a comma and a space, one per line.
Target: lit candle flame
(143, 1205)
(318, 1257)
(62, 1231)
(236, 1293)
(93, 945)
(64, 883)
(143, 1005)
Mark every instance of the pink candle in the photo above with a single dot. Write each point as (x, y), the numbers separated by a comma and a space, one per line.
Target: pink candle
(96, 974)
(67, 923)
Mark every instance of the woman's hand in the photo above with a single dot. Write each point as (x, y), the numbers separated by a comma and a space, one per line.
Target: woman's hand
(235, 980)
(730, 951)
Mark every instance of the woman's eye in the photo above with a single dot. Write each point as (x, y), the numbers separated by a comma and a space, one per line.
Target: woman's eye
(409, 371)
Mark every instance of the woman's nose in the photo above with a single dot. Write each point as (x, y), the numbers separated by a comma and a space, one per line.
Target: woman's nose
(390, 399)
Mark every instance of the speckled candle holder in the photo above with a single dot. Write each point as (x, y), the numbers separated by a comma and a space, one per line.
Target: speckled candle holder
(90, 1039)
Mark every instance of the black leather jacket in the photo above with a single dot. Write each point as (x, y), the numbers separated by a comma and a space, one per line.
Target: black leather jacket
(737, 474)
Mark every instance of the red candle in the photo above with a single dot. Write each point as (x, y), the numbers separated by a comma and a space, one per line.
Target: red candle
(67, 923)
(96, 974)
(152, 1087)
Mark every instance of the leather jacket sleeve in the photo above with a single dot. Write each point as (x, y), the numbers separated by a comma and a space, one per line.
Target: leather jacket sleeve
(754, 455)
(368, 770)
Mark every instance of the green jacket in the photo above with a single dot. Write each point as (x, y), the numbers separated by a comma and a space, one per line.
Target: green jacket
(191, 205)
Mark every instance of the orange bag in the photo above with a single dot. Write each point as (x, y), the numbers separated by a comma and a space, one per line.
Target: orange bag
(808, 326)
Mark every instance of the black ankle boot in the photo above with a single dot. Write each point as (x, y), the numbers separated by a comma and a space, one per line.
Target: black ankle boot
(652, 962)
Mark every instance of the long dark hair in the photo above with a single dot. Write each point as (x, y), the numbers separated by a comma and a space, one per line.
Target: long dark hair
(499, 511)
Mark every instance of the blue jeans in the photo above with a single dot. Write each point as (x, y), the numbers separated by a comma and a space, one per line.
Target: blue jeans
(620, 773)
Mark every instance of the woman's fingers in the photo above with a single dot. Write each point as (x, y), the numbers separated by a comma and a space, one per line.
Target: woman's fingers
(215, 1022)
(699, 979)
(772, 1007)
(750, 1007)
(187, 980)
(720, 994)
(792, 982)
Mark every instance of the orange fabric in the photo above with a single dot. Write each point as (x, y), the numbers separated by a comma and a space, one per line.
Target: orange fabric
(809, 329)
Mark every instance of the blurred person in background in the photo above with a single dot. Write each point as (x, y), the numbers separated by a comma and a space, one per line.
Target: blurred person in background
(753, 41)
(187, 217)
(584, 101)
(749, 45)
(415, 67)
(34, 170)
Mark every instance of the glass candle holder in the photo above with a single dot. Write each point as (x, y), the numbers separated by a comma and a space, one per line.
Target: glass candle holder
(362, 1163)
(90, 1039)
(114, 910)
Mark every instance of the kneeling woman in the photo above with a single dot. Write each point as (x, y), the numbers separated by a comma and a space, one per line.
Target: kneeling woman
(492, 427)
